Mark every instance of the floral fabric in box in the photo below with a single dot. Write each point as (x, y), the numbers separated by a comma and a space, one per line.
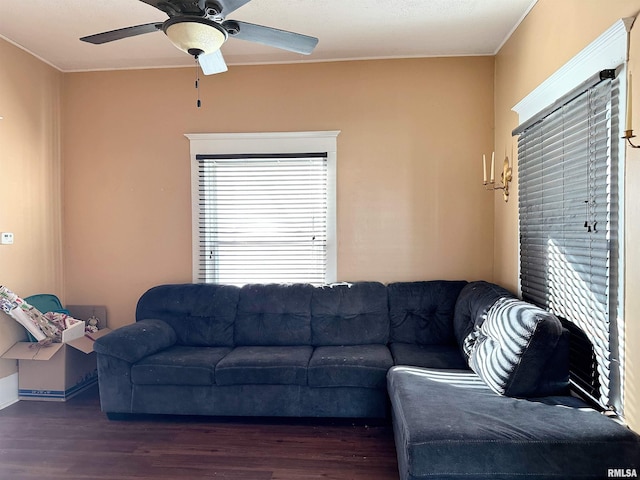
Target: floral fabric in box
(45, 328)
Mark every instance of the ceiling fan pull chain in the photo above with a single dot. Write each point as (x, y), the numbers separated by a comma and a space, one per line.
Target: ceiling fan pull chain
(198, 103)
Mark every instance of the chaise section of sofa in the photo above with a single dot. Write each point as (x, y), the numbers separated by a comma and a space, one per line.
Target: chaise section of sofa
(510, 415)
(450, 425)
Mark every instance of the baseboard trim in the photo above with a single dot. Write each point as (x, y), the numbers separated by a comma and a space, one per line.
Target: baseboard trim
(8, 390)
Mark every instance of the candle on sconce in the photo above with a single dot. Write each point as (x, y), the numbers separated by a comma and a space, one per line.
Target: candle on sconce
(629, 127)
(493, 167)
(484, 168)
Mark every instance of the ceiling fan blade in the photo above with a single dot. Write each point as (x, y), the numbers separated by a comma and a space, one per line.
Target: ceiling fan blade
(273, 37)
(229, 6)
(212, 63)
(174, 7)
(120, 33)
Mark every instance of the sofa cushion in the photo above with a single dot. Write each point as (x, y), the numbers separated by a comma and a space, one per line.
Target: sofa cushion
(264, 365)
(350, 366)
(450, 425)
(422, 312)
(179, 365)
(275, 314)
(429, 356)
(201, 315)
(350, 314)
(511, 348)
(475, 299)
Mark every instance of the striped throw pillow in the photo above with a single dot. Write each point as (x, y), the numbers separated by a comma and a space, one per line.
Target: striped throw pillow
(509, 349)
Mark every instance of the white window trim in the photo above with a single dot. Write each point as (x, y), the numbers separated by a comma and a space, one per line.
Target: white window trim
(268, 142)
(608, 51)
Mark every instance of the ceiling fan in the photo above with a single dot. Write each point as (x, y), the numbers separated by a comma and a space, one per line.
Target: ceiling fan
(199, 28)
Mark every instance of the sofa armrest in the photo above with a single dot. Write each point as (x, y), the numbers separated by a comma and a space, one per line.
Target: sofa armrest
(136, 341)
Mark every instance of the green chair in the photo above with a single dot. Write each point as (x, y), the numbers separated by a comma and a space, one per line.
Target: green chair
(45, 302)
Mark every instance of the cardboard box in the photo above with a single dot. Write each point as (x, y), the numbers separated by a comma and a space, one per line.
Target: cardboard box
(59, 371)
(84, 312)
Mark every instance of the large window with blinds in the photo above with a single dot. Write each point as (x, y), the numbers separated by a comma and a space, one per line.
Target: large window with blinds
(263, 207)
(568, 161)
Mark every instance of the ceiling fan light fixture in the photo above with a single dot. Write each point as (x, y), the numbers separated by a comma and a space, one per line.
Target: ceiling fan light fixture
(195, 35)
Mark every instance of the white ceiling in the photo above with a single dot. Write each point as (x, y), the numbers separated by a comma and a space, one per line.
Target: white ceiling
(347, 29)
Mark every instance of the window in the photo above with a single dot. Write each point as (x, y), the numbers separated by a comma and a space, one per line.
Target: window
(571, 207)
(568, 212)
(263, 207)
(263, 218)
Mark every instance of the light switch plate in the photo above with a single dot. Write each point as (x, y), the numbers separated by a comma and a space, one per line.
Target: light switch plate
(6, 238)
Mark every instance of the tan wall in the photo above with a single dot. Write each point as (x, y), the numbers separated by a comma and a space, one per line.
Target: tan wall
(30, 191)
(554, 32)
(410, 200)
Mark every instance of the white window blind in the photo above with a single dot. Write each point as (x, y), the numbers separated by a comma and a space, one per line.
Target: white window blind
(568, 212)
(262, 218)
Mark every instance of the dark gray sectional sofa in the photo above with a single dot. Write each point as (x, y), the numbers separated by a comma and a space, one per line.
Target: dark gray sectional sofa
(344, 350)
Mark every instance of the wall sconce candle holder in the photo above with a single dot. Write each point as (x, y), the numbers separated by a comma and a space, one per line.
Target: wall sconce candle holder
(505, 178)
(628, 135)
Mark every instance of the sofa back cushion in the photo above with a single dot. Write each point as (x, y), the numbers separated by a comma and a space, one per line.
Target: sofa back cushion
(511, 350)
(201, 315)
(274, 314)
(349, 314)
(472, 305)
(422, 312)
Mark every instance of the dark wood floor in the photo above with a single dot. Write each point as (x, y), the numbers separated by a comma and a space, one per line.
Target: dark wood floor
(74, 440)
